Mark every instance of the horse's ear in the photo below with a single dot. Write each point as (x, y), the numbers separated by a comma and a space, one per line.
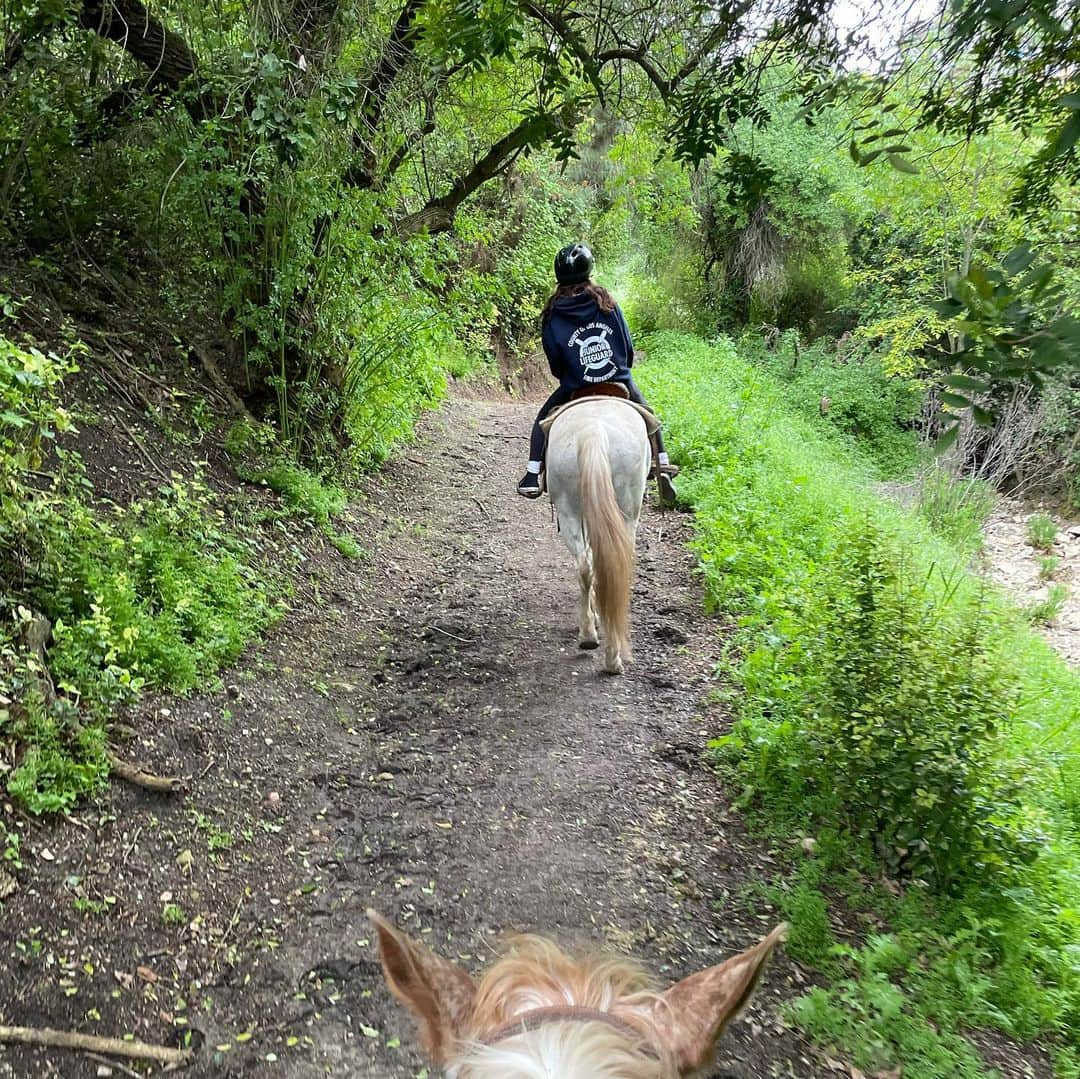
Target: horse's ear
(438, 993)
(690, 1016)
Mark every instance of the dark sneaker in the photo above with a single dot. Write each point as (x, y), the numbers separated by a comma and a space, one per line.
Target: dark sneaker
(529, 487)
(668, 495)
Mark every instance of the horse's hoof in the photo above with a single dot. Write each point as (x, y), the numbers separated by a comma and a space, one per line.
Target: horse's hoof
(614, 668)
(588, 644)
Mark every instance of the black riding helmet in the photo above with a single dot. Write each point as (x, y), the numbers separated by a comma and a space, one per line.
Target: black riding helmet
(574, 264)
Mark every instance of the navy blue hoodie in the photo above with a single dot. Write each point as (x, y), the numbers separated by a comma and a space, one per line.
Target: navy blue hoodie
(584, 345)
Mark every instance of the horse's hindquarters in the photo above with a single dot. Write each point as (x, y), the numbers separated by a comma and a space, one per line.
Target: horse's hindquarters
(598, 460)
(627, 447)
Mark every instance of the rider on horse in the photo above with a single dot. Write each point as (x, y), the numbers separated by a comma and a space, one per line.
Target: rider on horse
(586, 342)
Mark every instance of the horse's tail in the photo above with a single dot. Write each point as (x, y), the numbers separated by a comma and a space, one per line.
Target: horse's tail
(608, 537)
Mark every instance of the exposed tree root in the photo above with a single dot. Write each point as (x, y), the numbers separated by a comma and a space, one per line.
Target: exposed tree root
(220, 383)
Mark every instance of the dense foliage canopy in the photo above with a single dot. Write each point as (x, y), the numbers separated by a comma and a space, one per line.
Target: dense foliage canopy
(320, 174)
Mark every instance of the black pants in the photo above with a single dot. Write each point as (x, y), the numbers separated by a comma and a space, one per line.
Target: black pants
(560, 397)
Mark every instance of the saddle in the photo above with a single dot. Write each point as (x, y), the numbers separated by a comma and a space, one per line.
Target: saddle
(613, 390)
(618, 392)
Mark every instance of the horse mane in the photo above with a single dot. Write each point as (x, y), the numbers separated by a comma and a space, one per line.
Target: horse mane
(534, 973)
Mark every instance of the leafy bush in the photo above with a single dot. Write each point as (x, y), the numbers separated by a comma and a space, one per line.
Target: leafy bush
(894, 713)
(159, 593)
(885, 694)
(301, 490)
(848, 394)
(880, 1023)
(63, 760)
(1045, 610)
(30, 417)
(1048, 565)
(1042, 531)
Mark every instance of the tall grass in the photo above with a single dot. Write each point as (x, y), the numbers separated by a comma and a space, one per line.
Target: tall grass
(898, 708)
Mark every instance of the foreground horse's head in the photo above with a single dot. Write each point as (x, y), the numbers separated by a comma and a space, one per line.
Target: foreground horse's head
(538, 1014)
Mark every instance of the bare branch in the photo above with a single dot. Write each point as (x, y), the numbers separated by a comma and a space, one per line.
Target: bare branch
(164, 53)
(396, 53)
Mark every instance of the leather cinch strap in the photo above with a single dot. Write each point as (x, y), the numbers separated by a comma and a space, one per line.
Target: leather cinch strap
(539, 1017)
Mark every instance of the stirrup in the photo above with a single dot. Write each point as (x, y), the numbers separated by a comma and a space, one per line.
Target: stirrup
(669, 497)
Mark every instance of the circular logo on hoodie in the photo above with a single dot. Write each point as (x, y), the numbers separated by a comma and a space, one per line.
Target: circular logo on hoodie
(595, 354)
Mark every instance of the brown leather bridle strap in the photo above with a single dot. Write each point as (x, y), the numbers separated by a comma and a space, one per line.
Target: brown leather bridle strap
(540, 1017)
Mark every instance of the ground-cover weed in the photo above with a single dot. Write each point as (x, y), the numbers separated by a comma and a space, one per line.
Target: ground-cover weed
(159, 593)
(955, 508)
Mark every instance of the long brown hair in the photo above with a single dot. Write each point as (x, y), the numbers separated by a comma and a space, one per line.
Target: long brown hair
(604, 300)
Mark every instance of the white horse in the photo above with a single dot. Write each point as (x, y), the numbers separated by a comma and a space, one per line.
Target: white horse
(598, 460)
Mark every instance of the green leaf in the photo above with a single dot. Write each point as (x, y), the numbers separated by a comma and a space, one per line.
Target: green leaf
(966, 382)
(1018, 259)
(1067, 136)
(947, 437)
(954, 400)
(901, 164)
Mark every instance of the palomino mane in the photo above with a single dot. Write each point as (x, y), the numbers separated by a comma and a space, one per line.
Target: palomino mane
(536, 974)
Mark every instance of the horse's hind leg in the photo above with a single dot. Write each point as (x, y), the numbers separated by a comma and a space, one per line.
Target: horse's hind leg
(587, 634)
(614, 652)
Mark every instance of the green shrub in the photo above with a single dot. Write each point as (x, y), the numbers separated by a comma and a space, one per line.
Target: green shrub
(880, 1023)
(849, 395)
(896, 710)
(159, 593)
(1041, 531)
(1048, 566)
(303, 493)
(30, 417)
(894, 707)
(1045, 610)
(346, 545)
(61, 764)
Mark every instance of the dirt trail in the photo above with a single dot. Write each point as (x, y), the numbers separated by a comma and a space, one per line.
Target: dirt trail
(423, 736)
(420, 735)
(1010, 561)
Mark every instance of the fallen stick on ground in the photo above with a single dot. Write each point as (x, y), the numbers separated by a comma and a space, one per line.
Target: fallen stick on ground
(116, 1047)
(134, 774)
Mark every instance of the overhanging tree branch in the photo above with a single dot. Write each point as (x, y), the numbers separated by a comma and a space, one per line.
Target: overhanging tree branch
(164, 53)
(438, 214)
(594, 61)
(396, 53)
